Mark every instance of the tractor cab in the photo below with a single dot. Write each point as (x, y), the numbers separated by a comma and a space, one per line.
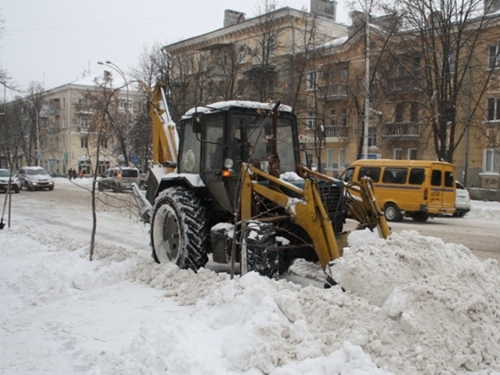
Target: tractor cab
(216, 140)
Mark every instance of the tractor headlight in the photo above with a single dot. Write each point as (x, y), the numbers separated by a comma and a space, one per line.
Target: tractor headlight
(228, 163)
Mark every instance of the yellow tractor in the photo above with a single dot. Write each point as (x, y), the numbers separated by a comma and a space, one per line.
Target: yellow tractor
(229, 182)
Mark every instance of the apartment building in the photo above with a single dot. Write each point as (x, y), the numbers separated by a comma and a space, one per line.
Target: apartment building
(66, 137)
(318, 66)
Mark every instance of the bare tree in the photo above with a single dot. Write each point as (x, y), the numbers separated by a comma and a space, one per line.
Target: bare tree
(262, 77)
(151, 69)
(440, 55)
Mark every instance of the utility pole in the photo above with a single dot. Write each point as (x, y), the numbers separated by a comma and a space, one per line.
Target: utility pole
(367, 80)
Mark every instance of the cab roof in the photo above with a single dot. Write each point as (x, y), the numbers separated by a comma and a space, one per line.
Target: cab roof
(226, 105)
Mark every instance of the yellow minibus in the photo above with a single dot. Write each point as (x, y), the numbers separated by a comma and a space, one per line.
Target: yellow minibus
(416, 188)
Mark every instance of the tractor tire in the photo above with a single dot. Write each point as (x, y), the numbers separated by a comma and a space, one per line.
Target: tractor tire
(392, 212)
(420, 217)
(262, 251)
(179, 229)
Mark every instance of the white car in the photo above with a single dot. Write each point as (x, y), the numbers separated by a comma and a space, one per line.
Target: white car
(15, 184)
(462, 200)
(35, 178)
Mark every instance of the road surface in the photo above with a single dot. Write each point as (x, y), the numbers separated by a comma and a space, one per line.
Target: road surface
(482, 236)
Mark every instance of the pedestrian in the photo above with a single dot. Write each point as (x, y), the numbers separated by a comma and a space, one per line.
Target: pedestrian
(70, 174)
(80, 174)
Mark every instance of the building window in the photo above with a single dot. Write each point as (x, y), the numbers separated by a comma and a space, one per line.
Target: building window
(310, 80)
(104, 143)
(84, 122)
(343, 117)
(416, 65)
(401, 69)
(372, 136)
(122, 104)
(412, 154)
(493, 109)
(491, 160)
(84, 142)
(311, 120)
(333, 120)
(43, 123)
(399, 113)
(493, 57)
(452, 60)
(329, 158)
(342, 158)
(397, 154)
(241, 54)
(414, 112)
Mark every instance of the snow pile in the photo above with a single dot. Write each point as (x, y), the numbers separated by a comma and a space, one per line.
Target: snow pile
(444, 301)
(484, 210)
(412, 305)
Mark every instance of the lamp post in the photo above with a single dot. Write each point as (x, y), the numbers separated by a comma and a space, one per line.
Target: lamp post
(367, 80)
(117, 69)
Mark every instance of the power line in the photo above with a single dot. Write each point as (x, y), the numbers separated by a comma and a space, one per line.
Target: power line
(107, 22)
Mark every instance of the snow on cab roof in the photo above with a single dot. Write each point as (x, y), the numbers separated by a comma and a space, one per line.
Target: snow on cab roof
(235, 103)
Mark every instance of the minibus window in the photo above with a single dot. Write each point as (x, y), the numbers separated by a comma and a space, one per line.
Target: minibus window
(347, 175)
(373, 173)
(436, 177)
(395, 175)
(417, 176)
(449, 180)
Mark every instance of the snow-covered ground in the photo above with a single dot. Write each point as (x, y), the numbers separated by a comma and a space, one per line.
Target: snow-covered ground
(411, 305)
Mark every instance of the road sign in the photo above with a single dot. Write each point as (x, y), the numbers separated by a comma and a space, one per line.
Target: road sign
(135, 159)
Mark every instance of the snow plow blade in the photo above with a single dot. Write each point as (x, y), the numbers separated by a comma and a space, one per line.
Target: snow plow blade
(145, 208)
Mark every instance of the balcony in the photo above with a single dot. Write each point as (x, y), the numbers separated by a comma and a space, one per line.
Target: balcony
(336, 133)
(81, 129)
(401, 131)
(332, 92)
(404, 84)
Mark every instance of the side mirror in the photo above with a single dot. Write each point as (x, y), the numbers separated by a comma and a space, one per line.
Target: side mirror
(199, 123)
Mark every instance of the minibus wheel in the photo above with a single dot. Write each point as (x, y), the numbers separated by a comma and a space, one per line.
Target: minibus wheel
(392, 212)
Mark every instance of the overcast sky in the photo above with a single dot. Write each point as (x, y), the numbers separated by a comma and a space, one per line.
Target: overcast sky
(57, 41)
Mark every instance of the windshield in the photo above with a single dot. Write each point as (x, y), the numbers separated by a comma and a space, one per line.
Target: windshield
(38, 171)
(4, 173)
(249, 138)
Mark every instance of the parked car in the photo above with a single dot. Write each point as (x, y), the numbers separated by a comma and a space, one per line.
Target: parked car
(462, 200)
(35, 178)
(118, 179)
(15, 184)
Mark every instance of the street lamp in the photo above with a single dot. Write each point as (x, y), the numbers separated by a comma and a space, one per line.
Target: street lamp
(122, 74)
